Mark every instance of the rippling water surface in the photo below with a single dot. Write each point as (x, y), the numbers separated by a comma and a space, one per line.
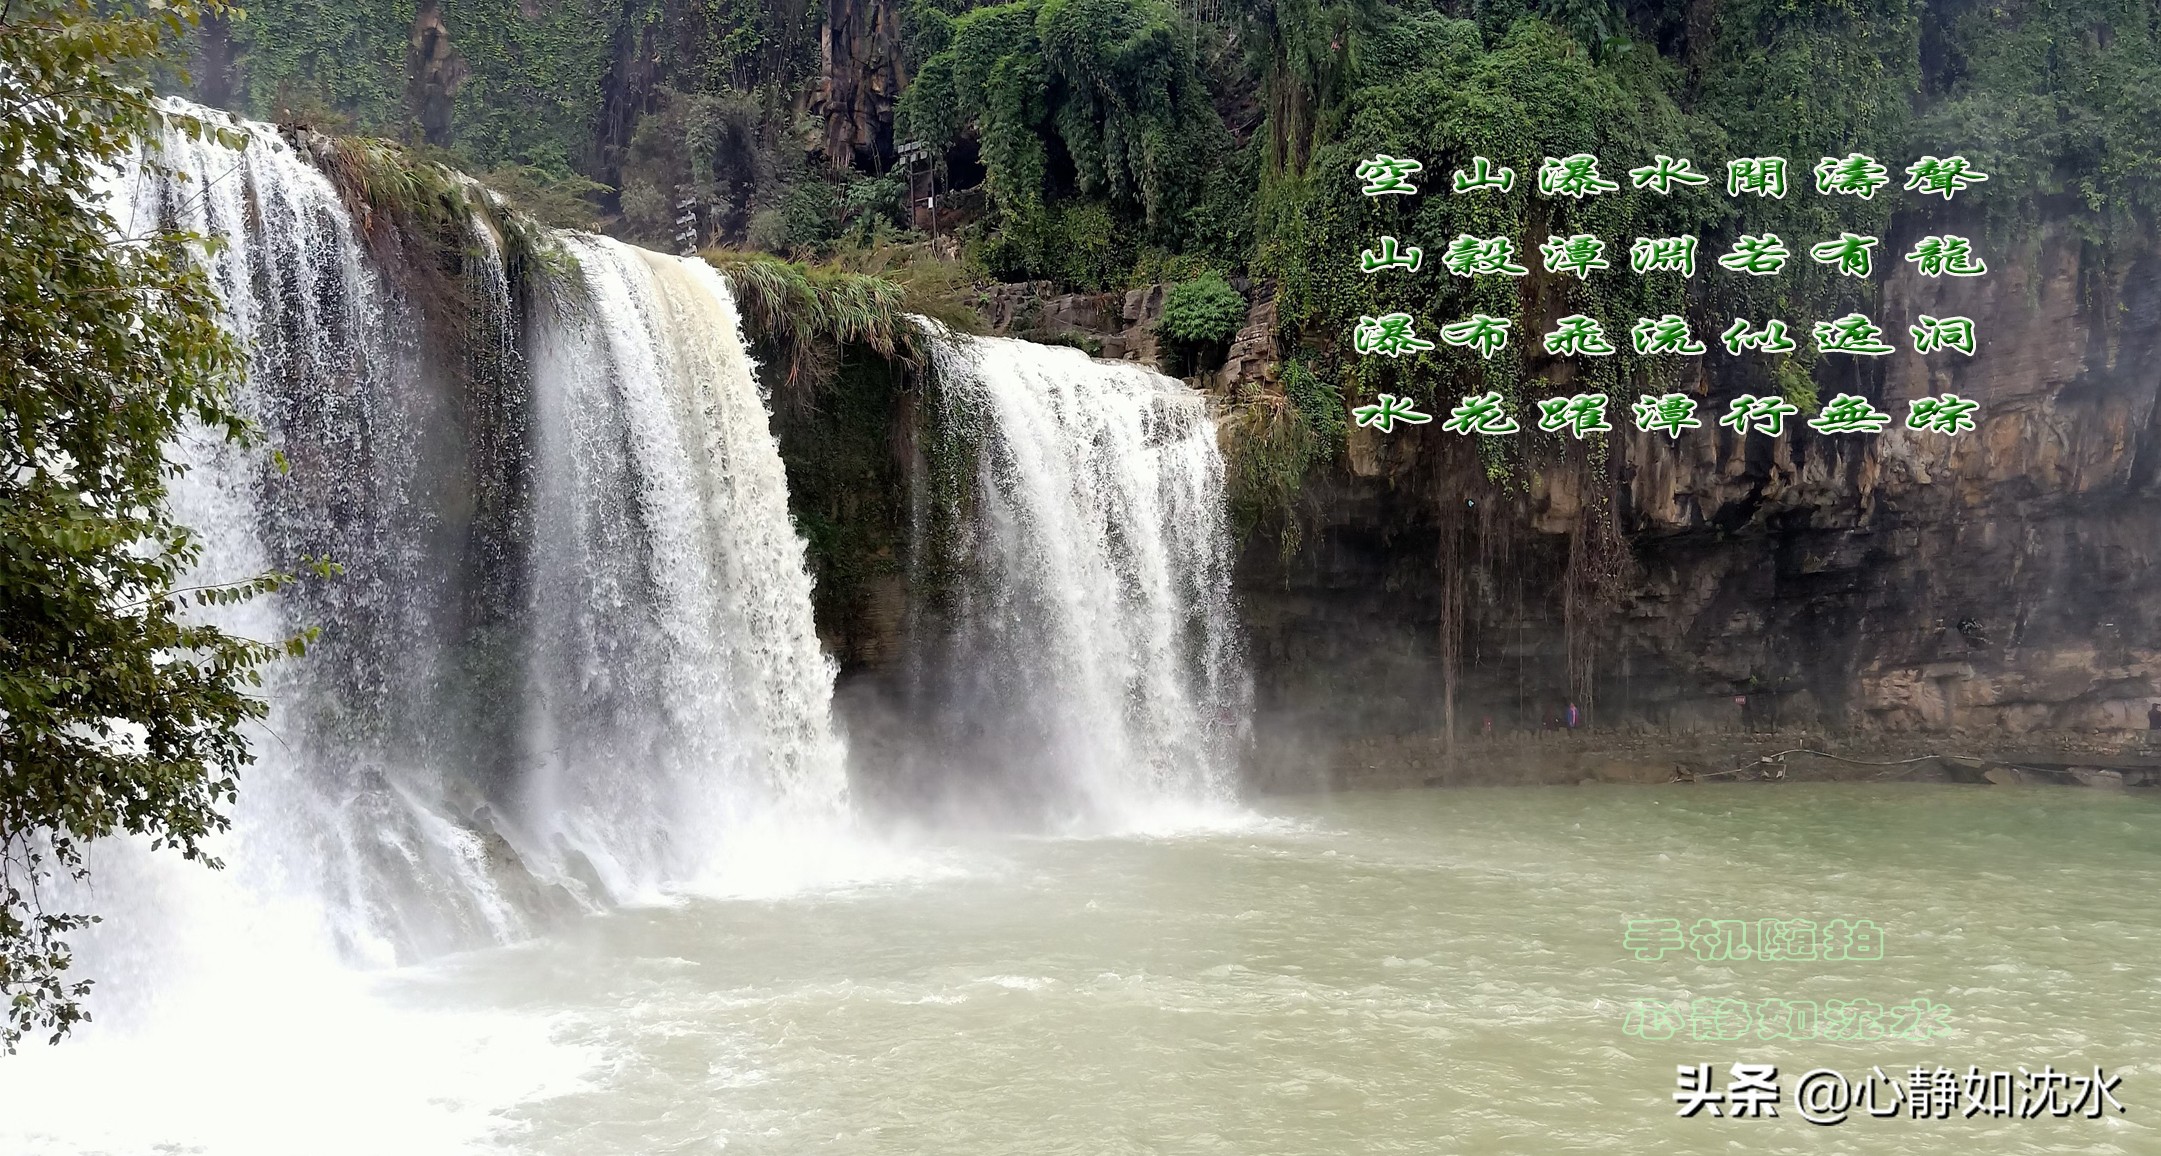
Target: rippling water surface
(1429, 972)
(1436, 972)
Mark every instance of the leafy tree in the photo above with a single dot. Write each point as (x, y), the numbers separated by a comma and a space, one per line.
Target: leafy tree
(2056, 100)
(1111, 89)
(118, 713)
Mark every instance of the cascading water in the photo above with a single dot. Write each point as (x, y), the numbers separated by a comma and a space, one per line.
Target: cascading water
(344, 824)
(1088, 666)
(571, 652)
(674, 636)
(571, 660)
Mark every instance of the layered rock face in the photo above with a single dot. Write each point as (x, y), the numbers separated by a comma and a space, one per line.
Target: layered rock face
(1997, 583)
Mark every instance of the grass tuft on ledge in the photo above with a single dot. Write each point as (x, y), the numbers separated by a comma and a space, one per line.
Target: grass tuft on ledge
(807, 313)
(419, 217)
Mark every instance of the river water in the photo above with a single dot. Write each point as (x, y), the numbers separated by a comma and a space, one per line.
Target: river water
(1423, 972)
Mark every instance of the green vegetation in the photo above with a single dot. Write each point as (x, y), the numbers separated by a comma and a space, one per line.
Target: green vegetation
(1079, 102)
(118, 712)
(717, 149)
(551, 97)
(808, 313)
(1279, 436)
(521, 84)
(2059, 102)
(420, 215)
(2047, 106)
(1203, 309)
(1114, 82)
(1117, 134)
(1533, 93)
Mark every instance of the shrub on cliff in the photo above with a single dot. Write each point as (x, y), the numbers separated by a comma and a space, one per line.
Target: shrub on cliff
(1101, 98)
(1205, 309)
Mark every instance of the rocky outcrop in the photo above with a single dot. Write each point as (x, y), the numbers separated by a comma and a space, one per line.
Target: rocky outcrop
(433, 73)
(1252, 357)
(1647, 758)
(1122, 327)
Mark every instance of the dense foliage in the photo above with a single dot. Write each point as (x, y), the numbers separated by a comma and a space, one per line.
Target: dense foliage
(2063, 100)
(119, 712)
(1172, 119)
(1203, 309)
(1113, 83)
(549, 98)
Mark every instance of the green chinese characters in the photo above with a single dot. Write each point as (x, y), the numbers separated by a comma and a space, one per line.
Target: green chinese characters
(1483, 413)
(1390, 335)
(1579, 415)
(1386, 411)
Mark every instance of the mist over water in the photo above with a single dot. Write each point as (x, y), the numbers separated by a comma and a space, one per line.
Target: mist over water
(1087, 665)
(571, 667)
(673, 632)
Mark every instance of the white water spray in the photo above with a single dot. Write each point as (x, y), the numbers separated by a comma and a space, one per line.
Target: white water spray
(571, 656)
(571, 660)
(339, 822)
(1094, 652)
(681, 691)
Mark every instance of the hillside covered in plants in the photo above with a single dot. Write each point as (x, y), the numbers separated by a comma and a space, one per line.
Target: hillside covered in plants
(1105, 143)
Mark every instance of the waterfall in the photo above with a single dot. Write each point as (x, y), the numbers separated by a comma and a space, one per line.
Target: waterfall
(1088, 665)
(571, 660)
(675, 631)
(346, 822)
(571, 653)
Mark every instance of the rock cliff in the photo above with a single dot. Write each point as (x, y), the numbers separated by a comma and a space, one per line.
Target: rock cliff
(1998, 582)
